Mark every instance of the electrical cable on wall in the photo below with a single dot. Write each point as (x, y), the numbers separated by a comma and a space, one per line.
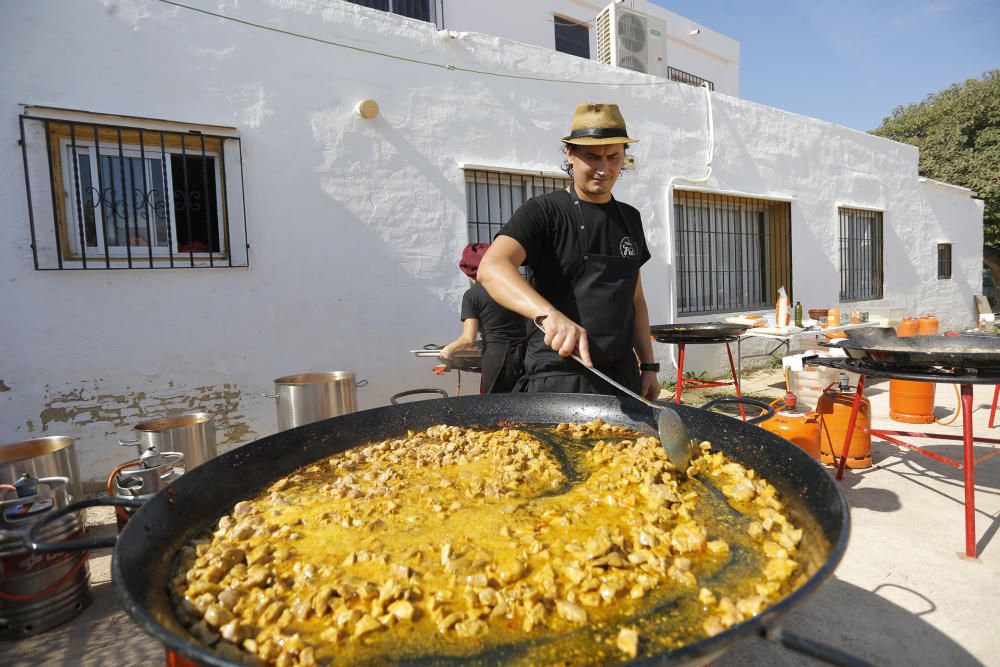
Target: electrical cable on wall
(692, 180)
(415, 61)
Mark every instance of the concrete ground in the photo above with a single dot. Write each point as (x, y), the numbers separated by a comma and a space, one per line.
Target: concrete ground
(901, 596)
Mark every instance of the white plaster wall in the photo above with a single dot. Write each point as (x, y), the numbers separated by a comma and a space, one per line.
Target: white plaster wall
(357, 226)
(707, 54)
(819, 167)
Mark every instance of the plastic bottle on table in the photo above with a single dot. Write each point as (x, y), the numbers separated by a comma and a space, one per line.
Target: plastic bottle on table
(798, 314)
(833, 317)
(782, 316)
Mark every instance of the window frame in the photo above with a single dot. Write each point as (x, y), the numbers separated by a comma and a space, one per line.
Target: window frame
(945, 260)
(565, 22)
(432, 10)
(723, 222)
(535, 182)
(109, 141)
(72, 208)
(850, 287)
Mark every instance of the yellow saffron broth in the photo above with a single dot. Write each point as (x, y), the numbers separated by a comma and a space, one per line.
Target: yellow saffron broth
(483, 544)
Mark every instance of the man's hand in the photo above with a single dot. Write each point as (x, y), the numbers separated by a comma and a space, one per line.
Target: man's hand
(566, 336)
(650, 385)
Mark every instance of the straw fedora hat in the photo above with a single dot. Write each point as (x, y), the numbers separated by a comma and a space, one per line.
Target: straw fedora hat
(597, 124)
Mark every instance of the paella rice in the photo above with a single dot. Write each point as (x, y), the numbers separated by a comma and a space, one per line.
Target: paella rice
(454, 541)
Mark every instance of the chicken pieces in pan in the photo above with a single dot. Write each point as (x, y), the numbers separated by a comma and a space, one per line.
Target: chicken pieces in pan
(454, 541)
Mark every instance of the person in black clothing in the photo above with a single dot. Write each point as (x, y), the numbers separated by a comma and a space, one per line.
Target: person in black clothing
(503, 331)
(583, 249)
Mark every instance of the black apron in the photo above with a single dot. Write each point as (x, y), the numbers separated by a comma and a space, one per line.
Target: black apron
(603, 292)
(502, 365)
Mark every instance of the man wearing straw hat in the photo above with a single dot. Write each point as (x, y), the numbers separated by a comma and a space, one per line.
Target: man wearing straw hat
(583, 249)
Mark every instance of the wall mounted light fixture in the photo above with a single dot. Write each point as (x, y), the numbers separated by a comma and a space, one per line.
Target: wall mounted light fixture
(367, 109)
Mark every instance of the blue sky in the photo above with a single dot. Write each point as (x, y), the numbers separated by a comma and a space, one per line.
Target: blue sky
(851, 62)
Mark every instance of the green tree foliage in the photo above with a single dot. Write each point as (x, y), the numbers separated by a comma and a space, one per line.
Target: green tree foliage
(958, 133)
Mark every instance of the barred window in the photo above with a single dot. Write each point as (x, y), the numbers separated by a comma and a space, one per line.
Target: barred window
(107, 196)
(572, 37)
(944, 261)
(733, 253)
(414, 9)
(492, 196)
(860, 254)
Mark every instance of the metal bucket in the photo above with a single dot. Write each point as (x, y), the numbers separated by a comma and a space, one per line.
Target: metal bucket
(39, 591)
(52, 456)
(192, 434)
(311, 397)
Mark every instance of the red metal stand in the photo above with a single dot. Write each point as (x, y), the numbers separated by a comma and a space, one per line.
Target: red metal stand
(693, 383)
(967, 464)
(993, 409)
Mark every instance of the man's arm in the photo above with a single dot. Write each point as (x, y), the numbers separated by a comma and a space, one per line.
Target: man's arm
(470, 327)
(650, 384)
(499, 275)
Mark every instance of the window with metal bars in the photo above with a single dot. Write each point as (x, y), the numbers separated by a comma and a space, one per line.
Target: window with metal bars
(492, 196)
(107, 196)
(860, 254)
(944, 261)
(422, 10)
(733, 253)
(572, 37)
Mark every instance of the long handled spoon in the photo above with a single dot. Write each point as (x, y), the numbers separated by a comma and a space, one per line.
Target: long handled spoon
(677, 444)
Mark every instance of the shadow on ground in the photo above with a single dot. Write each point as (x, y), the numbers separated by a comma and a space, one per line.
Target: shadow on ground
(860, 497)
(914, 464)
(883, 627)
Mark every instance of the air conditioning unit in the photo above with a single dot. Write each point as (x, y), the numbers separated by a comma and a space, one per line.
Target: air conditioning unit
(632, 40)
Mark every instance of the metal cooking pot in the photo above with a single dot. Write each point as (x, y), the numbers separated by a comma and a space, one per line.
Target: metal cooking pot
(311, 397)
(192, 434)
(51, 456)
(145, 551)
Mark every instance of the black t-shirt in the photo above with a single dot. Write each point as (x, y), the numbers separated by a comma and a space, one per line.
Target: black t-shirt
(547, 229)
(497, 324)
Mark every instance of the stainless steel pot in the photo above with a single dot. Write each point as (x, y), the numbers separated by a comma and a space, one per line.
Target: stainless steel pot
(311, 397)
(192, 434)
(52, 456)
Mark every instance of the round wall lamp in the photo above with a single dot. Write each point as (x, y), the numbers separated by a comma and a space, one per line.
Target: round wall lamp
(367, 109)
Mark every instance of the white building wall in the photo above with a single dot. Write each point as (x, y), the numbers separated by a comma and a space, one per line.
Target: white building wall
(356, 226)
(707, 54)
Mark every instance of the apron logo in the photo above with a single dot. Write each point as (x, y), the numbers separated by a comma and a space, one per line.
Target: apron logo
(628, 247)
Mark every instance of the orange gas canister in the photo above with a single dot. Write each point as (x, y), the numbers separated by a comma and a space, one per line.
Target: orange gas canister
(927, 326)
(908, 327)
(796, 426)
(834, 410)
(912, 402)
